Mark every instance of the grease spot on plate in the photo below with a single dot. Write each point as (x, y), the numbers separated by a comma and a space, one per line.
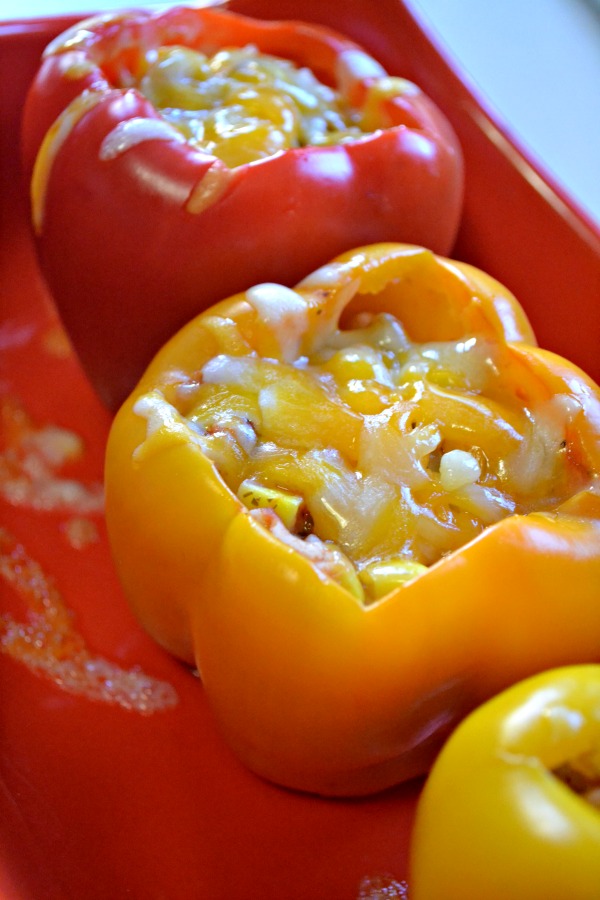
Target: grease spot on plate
(48, 643)
(31, 459)
(382, 887)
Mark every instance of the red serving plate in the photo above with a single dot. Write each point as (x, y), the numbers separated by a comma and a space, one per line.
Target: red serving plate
(98, 801)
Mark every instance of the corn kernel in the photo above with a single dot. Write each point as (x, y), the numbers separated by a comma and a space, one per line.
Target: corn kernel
(363, 398)
(383, 576)
(289, 507)
(349, 364)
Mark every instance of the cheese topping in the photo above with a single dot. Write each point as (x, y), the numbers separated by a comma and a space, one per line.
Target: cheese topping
(388, 453)
(243, 106)
(133, 131)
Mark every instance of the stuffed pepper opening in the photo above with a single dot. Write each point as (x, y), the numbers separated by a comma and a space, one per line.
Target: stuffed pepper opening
(234, 89)
(374, 426)
(242, 105)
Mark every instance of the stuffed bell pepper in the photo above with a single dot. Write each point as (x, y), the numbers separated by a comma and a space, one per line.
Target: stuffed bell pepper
(359, 507)
(511, 808)
(182, 155)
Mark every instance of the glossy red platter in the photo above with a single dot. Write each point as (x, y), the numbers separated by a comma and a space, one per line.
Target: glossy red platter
(100, 801)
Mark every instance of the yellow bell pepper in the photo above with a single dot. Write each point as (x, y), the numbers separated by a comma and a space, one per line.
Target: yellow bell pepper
(359, 507)
(511, 808)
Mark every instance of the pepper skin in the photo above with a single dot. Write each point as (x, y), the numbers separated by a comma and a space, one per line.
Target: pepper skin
(313, 688)
(134, 246)
(510, 808)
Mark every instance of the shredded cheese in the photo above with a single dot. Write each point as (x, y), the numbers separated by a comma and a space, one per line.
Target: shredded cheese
(398, 452)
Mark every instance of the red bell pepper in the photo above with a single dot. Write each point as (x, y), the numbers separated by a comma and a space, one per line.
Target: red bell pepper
(137, 239)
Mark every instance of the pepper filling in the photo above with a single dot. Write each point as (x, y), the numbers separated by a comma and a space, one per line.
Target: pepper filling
(371, 454)
(582, 776)
(242, 106)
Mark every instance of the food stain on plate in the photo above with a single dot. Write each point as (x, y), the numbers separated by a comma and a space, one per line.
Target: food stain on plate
(382, 887)
(47, 641)
(31, 460)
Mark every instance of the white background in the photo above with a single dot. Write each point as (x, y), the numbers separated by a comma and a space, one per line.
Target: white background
(536, 61)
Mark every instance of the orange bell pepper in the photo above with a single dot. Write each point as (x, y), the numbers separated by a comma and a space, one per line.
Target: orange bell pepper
(360, 507)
